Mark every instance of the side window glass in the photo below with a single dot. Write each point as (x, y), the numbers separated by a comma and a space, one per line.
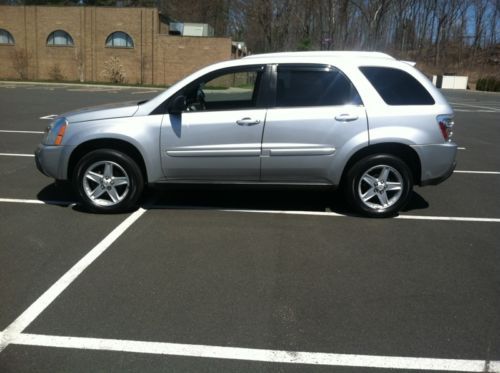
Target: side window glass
(314, 86)
(397, 87)
(228, 91)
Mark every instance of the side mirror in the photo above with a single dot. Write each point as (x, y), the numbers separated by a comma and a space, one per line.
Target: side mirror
(178, 105)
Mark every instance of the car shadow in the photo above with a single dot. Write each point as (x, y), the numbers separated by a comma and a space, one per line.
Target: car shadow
(230, 197)
(57, 193)
(416, 202)
(240, 197)
(259, 198)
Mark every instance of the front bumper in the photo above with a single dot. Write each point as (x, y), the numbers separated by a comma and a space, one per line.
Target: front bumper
(52, 161)
(437, 162)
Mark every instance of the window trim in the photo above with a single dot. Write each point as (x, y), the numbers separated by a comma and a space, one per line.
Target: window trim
(10, 38)
(306, 67)
(262, 97)
(68, 35)
(128, 37)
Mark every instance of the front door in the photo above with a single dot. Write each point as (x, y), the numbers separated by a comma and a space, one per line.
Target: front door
(218, 136)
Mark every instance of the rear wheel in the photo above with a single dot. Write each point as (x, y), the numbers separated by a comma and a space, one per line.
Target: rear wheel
(108, 181)
(379, 185)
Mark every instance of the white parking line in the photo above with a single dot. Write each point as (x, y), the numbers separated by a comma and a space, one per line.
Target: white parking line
(253, 354)
(334, 214)
(279, 212)
(109, 90)
(13, 331)
(49, 117)
(475, 111)
(448, 218)
(13, 131)
(461, 148)
(41, 88)
(37, 201)
(477, 172)
(144, 92)
(476, 106)
(16, 155)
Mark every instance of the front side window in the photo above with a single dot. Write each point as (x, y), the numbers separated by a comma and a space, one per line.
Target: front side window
(229, 90)
(397, 87)
(6, 37)
(119, 39)
(313, 86)
(60, 37)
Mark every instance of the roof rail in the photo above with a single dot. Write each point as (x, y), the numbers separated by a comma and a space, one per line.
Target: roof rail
(343, 54)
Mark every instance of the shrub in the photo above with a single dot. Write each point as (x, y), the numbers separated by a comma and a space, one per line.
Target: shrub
(114, 71)
(489, 83)
(480, 84)
(55, 73)
(20, 59)
(497, 86)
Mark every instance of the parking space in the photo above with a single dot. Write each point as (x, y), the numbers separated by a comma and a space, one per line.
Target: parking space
(463, 194)
(41, 359)
(13, 142)
(22, 105)
(478, 137)
(39, 244)
(283, 283)
(21, 180)
(232, 279)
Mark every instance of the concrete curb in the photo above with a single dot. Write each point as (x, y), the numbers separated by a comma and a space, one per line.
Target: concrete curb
(5, 82)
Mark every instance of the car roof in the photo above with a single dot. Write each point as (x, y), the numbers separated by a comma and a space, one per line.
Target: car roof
(327, 57)
(341, 58)
(323, 54)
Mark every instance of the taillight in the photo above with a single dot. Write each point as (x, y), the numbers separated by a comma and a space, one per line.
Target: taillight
(446, 123)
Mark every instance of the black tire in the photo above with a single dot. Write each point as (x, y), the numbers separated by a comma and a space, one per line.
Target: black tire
(381, 196)
(116, 193)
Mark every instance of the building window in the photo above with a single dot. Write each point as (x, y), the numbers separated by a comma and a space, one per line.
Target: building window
(60, 37)
(6, 37)
(119, 39)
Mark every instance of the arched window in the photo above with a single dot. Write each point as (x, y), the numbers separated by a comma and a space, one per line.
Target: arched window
(6, 37)
(119, 39)
(59, 37)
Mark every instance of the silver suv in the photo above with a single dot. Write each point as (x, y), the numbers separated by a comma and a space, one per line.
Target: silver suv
(361, 121)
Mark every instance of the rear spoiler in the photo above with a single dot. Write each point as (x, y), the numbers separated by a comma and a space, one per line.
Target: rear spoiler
(411, 63)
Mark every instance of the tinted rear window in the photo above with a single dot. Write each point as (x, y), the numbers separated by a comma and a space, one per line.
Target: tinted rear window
(313, 86)
(397, 87)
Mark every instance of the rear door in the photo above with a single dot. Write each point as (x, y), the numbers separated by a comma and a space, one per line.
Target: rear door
(317, 114)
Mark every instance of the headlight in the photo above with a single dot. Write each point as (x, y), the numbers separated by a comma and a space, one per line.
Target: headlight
(54, 133)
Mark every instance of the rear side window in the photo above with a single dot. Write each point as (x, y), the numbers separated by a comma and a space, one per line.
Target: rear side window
(397, 87)
(313, 86)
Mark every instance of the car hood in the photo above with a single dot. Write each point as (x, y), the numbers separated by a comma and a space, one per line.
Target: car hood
(116, 110)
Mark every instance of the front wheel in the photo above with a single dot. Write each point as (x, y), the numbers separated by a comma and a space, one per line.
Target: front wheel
(378, 185)
(108, 181)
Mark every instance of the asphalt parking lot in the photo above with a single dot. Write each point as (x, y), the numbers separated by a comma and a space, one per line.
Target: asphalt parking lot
(238, 280)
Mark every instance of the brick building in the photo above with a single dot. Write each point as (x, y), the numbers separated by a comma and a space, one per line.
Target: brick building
(74, 43)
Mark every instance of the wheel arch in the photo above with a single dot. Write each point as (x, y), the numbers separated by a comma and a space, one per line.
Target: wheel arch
(403, 151)
(106, 143)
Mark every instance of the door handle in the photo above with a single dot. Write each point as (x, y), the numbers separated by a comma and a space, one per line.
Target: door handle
(346, 117)
(247, 121)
